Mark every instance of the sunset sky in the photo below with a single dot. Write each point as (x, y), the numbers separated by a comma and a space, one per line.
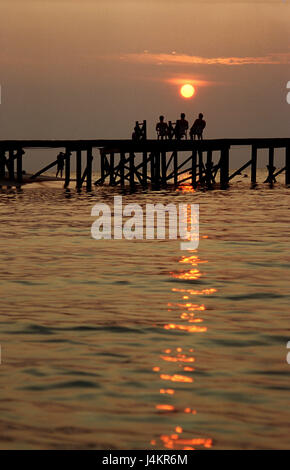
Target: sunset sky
(89, 69)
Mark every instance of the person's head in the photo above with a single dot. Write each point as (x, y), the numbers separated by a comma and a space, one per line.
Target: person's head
(200, 115)
(182, 115)
(161, 118)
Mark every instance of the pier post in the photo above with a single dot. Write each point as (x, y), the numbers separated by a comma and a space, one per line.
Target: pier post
(287, 165)
(102, 154)
(224, 168)
(175, 168)
(163, 169)
(144, 170)
(20, 153)
(157, 171)
(152, 172)
(254, 165)
(131, 171)
(271, 169)
(79, 169)
(11, 165)
(122, 169)
(67, 167)
(193, 168)
(200, 165)
(2, 163)
(112, 166)
(208, 174)
(89, 168)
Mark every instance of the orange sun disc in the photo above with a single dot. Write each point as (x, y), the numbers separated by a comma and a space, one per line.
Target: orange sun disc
(187, 91)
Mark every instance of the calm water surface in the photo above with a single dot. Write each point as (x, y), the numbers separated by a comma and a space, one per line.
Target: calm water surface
(136, 344)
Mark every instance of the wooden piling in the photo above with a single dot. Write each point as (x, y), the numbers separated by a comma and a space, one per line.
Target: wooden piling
(175, 168)
(67, 168)
(2, 163)
(152, 168)
(19, 165)
(144, 170)
(112, 166)
(163, 169)
(200, 165)
(193, 168)
(11, 165)
(208, 174)
(122, 169)
(103, 158)
(79, 169)
(254, 165)
(287, 165)
(89, 168)
(157, 171)
(224, 168)
(131, 171)
(271, 168)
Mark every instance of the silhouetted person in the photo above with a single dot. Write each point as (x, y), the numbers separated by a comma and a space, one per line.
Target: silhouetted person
(139, 131)
(197, 128)
(181, 127)
(136, 133)
(60, 164)
(162, 128)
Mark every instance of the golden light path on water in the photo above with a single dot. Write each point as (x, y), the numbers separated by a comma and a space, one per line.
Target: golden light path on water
(188, 320)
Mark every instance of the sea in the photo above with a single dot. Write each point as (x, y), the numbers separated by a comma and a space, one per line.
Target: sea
(137, 344)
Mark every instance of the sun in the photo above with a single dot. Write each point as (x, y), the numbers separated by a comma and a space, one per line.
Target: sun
(187, 91)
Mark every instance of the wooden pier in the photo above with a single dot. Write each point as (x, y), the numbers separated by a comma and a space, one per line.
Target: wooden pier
(152, 164)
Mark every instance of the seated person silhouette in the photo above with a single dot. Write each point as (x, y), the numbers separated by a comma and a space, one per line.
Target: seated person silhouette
(162, 129)
(137, 133)
(181, 127)
(197, 128)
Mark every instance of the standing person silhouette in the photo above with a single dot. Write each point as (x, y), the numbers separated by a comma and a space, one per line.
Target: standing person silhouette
(162, 128)
(181, 127)
(197, 128)
(60, 164)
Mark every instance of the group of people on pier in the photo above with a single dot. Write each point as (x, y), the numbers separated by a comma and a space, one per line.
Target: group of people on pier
(179, 131)
(172, 130)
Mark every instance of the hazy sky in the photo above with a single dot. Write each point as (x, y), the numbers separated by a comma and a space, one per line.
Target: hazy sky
(89, 69)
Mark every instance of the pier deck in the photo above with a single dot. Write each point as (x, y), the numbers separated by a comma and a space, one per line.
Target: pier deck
(149, 163)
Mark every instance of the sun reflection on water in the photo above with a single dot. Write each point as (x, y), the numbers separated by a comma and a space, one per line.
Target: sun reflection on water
(190, 321)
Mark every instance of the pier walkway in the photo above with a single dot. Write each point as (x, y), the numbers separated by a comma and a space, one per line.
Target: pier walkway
(152, 164)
